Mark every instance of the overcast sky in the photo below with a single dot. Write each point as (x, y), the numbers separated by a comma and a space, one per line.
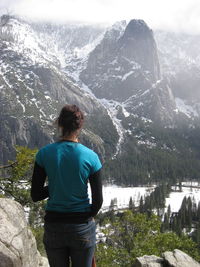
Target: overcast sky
(183, 15)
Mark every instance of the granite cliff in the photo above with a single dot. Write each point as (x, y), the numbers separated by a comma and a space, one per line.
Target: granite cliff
(17, 244)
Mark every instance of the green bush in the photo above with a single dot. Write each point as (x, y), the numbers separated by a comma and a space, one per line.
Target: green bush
(132, 235)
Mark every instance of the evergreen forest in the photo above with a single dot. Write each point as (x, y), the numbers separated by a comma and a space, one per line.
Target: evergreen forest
(123, 235)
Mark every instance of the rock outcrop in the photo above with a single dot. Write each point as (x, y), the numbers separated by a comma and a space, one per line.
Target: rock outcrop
(177, 258)
(149, 261)
(17, 243)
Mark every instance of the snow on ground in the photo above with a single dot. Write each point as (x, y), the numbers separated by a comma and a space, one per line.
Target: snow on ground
(26, 41)
(148, 143)
(190, 183)
(22, 105)
(84, 51)
(77, 58)
(123, 194)
(47, 97)
(134, 64)
(125, 112)
(175, 198)
(112, 108)
(127, 75)
(186, 109)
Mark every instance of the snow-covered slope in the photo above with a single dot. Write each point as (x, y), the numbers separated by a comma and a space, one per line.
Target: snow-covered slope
(34, 85)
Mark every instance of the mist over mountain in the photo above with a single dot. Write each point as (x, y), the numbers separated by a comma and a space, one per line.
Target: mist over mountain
(180, 61)
(138, 88)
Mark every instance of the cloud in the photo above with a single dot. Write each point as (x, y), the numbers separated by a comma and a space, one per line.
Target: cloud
(178, 15)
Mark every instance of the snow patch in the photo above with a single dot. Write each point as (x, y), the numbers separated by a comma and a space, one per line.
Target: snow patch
(146, 120)
(112, 109)
(42, 112)
(181, 106)
(147, 143)
(125, 112)
(134, 64)
(47, 97)
(127, 75)
(22, 105)
(52, 117)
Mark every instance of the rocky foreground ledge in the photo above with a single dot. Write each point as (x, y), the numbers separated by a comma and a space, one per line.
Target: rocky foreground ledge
(177, 258)
(18, 245)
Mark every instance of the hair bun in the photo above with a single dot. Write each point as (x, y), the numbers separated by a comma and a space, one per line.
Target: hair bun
(70, 119)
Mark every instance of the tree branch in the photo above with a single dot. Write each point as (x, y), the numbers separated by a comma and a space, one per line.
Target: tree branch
(8, 165)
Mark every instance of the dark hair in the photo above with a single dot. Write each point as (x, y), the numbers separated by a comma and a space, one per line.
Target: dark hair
(71, 118)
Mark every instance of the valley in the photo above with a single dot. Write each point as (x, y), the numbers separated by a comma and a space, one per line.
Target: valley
(139, 91)
(141, 117)
(121, 195)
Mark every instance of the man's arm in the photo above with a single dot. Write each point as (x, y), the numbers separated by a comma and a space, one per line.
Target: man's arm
(96, 189)
(38, 190)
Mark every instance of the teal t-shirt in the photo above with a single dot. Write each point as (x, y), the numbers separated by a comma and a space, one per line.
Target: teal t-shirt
(68, 166)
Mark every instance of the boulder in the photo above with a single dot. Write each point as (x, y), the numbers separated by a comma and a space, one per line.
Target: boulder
(17, 244)
(148, 261)
(178, 258)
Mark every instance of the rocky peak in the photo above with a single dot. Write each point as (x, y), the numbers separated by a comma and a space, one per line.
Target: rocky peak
(4, 19)
(139, 45)
(137, 28)
(124, 63)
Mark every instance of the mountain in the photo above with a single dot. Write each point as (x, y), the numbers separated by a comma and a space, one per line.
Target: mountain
(34, 88)
(141, 117)
(127, 72)
(125, 67)
(180, 63)
(125, 61)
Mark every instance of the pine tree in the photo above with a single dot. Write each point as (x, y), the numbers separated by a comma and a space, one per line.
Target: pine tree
(141, 205)
(165, 223)
(113, 204)
(198, 212)
(131, 204)
(182, 212)
(198, 235)
(169, 211)
(180, 186)
(17, 183)
(189, 213)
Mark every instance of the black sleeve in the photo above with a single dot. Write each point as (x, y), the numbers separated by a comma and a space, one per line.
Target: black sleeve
(38, 190)
(96, 189)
